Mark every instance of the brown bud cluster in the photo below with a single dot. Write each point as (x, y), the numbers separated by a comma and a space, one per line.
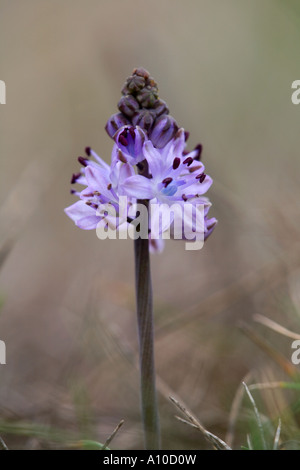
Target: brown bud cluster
(141, 106)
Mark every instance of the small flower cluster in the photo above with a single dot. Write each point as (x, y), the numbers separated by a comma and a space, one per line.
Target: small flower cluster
(149, 163)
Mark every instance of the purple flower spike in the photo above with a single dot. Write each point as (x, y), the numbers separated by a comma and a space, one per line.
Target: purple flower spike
(152, 183)
(149, 162)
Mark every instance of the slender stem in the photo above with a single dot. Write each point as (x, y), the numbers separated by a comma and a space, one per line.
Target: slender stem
(145, 330)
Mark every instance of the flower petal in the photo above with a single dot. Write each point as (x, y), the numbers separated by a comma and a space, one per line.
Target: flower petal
(153, 158)
(138, 186)
(88, 223)
(79, 210)
(97, 180)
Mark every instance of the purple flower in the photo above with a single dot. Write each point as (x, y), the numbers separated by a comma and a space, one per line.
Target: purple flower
(172, 181)
(104, 185)
(174, 175)
(176, 178)
(129, 145)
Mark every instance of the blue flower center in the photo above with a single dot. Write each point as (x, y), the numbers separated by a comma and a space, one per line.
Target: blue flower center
(170, 190)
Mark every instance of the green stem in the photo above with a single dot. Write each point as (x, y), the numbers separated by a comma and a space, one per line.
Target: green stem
(145, 331)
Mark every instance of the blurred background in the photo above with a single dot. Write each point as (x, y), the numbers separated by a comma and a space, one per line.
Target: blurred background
(67, 313)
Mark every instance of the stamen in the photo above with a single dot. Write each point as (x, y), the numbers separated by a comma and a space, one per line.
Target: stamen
(96, 193)
(199, 150)
(176, 163)
(195, 168)
(121, 157)
(186, 135)
(188, 161)
(167, 181)
(83, 161)
(201, 177)
(88, 151)
(131, 131)
(88, 203)
(184, 197)
(75, 177)
(109, 186)
(123, 140)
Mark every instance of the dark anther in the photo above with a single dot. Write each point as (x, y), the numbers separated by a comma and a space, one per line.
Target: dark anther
(121, 157)
(75, 177)
(188, 161)
(199, 151)
(201, 177)
(123, 140)
(83, 161)
(195, 168)
(186, 135)
(131, 131)
(167, 181)
(176, 163)
(88, 151)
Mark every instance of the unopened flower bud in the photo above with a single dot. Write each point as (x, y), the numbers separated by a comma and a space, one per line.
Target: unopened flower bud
(128, 105)
(114, 123)
(151, 82)
(141, 72)
(133, 84)
(160, 107)
(147, 96)
(144, 118)
(164, 130)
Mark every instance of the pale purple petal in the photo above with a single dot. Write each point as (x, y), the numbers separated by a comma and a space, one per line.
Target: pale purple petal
(210, 225)
(97, 180)
(197, 187)
(78, 210)
(153, 158)
(138, 186)
(88, 223)
(179, 142)
(126, 171)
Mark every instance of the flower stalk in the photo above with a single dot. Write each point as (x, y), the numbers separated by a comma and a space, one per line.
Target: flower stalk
(151, 166)
(144, 304)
